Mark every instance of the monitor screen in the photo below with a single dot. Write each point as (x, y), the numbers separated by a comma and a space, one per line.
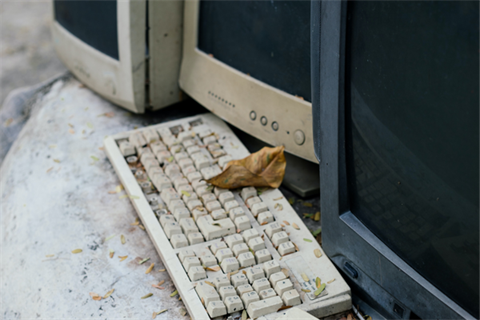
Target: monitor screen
(412, 110)
(269, 40)
(93, 22)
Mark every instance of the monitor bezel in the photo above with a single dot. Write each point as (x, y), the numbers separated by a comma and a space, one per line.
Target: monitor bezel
(121, 81)
(233, 95)
(384, 279)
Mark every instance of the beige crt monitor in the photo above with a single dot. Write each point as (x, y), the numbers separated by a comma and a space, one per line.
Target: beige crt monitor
(137, 80)
(263, 111)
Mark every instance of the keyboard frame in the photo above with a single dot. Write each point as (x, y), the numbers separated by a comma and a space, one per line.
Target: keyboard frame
(337, 297)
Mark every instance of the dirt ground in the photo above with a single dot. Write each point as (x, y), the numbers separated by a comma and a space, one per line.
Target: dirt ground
(26, 52)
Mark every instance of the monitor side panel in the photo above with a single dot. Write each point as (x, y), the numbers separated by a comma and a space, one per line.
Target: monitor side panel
(242, 100)
(165, 51)
(121, 81)
(374, 271)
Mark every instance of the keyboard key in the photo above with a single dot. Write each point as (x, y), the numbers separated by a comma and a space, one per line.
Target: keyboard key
(218, 191)
(244, 289)
(172, 169)
(238, 279)
(193, 149)
(261, 284)
(243, 223)
(184, 163)
(219, 214)
(191, 262)
(198, 212)
(286, 248)
(217, 246)
(225, 197)
(179, 182)
(206, 292)
(279, 238)
(240, 248)
(283, 286)
(209, 140)
(233, 240)
(235, 213)
(230, 265)
(196, 273)
(172, 228)
(213, 205)
(223, 161)
(267, 293)
(233, 304)
(150, 135)
(250, 234)
(188, 196)
(170, 141)
(273, 228)
(181, 213)
(274, 278)
(209, 260)
(221, 282)
(204, 133)
(202, 190)
(126, 148)
(291, 298)
(185, 254)
(256, 244)
(223, 254)
(165, 219)
(216, 309)
(163, 156)
(265, 217)
(271, 267)
(248, 192)
(195, 204)
(188, 226)
(264, 307)
(258, 208)
(188, 143)
(195, 176)
(186, 135)
(181, 155)
(202, 162)
(198, 183)
(246, 259)
(178, 241)
(251, 201)
(208, 197)
(255, 273)
(195, 237)
(249, 298)
(210, 172)
(227, 291)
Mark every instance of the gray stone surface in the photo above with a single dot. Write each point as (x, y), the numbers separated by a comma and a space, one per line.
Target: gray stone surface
(54, 199)
(26, 52)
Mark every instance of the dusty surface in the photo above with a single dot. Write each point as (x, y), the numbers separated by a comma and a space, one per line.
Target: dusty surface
(26, 53)
(54, 199)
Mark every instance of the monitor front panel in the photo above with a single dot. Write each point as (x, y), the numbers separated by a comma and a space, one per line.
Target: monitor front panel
(242, 61)
(103, 44)
(412, 100)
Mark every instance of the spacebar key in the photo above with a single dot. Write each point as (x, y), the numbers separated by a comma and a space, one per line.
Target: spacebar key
(263, 307)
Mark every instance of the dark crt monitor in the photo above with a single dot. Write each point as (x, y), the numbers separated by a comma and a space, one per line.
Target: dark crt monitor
(395, 89)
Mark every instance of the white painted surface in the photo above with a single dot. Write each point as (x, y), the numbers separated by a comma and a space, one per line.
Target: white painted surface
(67, 208)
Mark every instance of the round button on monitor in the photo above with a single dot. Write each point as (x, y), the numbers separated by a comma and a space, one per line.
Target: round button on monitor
(263, 120)
(299, 137)
(253, 115)
(275, 126)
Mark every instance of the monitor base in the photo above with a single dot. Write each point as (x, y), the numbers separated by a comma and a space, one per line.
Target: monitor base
(301, 176)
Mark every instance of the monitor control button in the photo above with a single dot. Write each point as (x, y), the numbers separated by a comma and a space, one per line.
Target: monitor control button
(263, 120)
(299, 137)
(253, 115)
(275, 126)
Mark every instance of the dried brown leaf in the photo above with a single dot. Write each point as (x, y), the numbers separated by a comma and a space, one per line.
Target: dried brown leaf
(123, 257)
(182, 311)
(108, 294)
(317, 216)
(286, 222)
(317, 253)
(285, 272)
(49, 255)
(279, 198)
(147, 296)
(150, 268)
(331, 281)
(111, 253)
(305, 277)
(136, 223)
(294, 225)
(50, 169)
(307, 204)
(264, 168)
(215, 268)
(122, 239)
(77, 251)
(161, 270)
(141, 227)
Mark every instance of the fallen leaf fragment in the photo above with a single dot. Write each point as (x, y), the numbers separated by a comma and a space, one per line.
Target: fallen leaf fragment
(318, 282)
(307, 204)
(147, 296)
(244, 315)
(286, 222)
(49, 255)
(331, 281)
(144, 260)
(305, 277)
(279, 198)
(319, 290)
(161, 270)
(161, 282)
(77, 251)
(183, 311)
(108, 294)
(71, 131)
(284, 308)
(157, 313)
(174, 293)
(285, 272)
(209, 283)
(95, 296)
(317, 232)
(294, 225)
(317, 216)
(135, 223)
(150, 268)
(215, 268)
(50, 169)
(110, 237)
(317, 253)
(89, 125)
(111, 253)
(141, 227)
(94, 158)
(123, 257)
(265, 168)
(291, 200)
(306, 290)
(8, 122)
(122, 239)
(308, 215)
(307, 240)
(56, 160)
(279, 206)
(118, 189)
(185, 193)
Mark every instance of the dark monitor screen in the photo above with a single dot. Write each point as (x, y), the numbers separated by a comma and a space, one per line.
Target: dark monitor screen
(93, 22)
(269, 40)
(412, 110)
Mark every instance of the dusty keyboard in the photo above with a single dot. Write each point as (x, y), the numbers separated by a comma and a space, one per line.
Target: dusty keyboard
(226, 250)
